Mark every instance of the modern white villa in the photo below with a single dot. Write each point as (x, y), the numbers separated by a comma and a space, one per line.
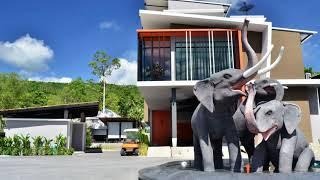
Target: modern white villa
(183, 41)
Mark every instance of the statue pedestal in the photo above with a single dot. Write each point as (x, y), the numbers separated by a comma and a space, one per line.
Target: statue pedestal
(174, 171)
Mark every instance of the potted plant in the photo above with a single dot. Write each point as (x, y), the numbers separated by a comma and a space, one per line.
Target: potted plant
(2, 126)
(157, 72)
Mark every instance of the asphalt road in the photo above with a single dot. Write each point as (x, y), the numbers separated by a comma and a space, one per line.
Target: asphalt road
(104, 166)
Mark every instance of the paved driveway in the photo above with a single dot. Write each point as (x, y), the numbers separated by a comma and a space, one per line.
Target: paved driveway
(104, 166)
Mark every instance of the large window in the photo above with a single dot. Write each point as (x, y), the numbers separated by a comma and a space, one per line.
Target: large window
(155, 59)
(181, 69)
(204, 54)
(200, 60)
(197, 53)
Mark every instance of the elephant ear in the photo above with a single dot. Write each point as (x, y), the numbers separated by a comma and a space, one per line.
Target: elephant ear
(291, 117)
(203, 90)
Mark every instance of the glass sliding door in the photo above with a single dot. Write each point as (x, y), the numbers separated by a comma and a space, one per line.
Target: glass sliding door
(200, 59)
(221, 55)
(204, 53)
(224, 48)
(181, 63)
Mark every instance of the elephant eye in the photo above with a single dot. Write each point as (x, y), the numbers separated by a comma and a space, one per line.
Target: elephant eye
(269, 112)
(227, 76)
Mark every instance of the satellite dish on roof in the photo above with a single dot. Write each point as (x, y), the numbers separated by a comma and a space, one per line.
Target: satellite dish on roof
(246, 7)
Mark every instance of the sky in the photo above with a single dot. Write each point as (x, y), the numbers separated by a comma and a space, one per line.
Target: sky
(47, 40)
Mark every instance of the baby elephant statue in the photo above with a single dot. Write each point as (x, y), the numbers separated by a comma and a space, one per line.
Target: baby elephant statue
(266, 90)
(278, 139)
(212, 119)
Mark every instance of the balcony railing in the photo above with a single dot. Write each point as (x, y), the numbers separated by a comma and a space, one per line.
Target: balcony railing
(186, 54)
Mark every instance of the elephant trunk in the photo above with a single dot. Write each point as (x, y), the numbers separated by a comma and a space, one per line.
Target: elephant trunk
(253, 65)
(249, 114)
(252, 56)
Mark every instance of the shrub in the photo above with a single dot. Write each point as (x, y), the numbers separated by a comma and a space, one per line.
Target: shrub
(21, 145)
(47, 146)
(7, 146)
(143, 142)
(26, 145)
(60, 146)
(37, 145)
(88, 137)
(69, 151)
(17, 146)
(143, 137)
(2, 145)
(143, 149)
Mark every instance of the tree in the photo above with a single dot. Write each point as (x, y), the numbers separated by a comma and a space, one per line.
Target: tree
(74, 92)
(102, 66)
(16, 92)
(131, 104)
(311, 71)
(12, 89)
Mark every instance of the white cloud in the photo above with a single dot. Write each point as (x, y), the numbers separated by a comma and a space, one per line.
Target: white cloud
(126, 74)
(104, 25)
(50, 79)
(131, 55)
(27, 53)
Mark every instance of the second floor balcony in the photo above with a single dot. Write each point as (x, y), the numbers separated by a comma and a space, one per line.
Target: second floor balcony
(187, 54)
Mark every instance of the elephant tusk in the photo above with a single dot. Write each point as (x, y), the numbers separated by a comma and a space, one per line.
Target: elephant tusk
(269, 132)
(273, 84)
(258, 138)
(239, 92)
(285, 87)
(274, 64)
(256, 67)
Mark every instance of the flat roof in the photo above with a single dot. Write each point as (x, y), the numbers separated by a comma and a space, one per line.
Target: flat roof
(116, 119)
(160, 5)
(55, 111)
(162, 20)
(304, 34)
(300, 82)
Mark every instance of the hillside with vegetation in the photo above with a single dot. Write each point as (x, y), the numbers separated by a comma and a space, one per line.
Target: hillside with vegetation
(16, 92)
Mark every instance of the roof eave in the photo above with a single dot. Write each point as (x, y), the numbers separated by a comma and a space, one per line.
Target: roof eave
(308, 32)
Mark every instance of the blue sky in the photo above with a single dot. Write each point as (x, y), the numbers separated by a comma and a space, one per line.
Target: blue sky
(54, 40)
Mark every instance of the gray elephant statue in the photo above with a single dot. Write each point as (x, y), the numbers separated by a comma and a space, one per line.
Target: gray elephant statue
(278, 138)
(212, 119)
(266, 90)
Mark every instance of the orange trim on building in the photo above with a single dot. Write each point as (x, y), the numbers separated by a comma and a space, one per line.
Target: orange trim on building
(182, 30)
(241, 58)
(177, 32)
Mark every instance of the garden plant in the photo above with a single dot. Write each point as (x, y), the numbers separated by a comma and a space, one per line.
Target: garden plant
(20, 145)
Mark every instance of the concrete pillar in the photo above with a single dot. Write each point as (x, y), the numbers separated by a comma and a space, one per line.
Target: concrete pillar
(174, 117)
(107, 132)
(173, 59)
(82, 117)
(66, 114)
